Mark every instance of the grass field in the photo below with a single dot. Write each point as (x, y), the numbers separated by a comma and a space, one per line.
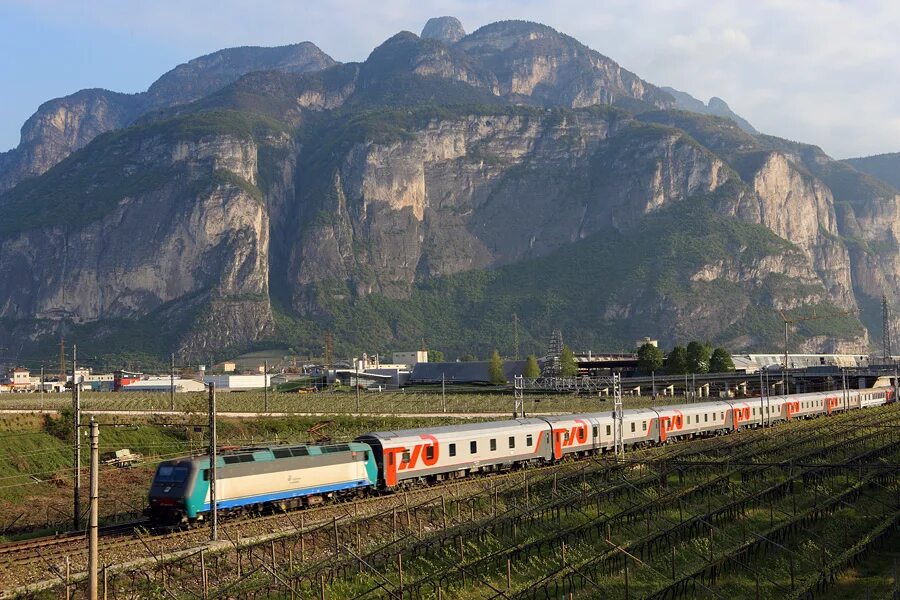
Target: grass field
(326, 402)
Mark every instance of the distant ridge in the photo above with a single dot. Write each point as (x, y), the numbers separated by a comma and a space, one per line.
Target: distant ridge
(716, 107)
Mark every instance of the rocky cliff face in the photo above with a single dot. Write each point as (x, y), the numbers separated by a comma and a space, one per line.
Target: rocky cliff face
(201, 235)
(61, 126)
(64, 125)
(430, 192)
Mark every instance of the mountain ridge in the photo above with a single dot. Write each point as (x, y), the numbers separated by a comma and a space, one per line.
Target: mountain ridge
(430, 192)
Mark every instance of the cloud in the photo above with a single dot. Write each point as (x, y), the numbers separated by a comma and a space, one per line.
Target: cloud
(822, 71)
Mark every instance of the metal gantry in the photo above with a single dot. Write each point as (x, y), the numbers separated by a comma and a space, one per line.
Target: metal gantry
(519, 394)
(618, 417)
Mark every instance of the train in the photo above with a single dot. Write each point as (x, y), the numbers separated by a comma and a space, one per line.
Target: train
(288, 477)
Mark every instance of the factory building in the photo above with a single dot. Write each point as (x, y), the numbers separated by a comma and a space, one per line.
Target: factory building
(238, 383)
(163, 384)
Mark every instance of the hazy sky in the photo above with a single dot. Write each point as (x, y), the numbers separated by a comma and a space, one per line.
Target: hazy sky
(824, 72)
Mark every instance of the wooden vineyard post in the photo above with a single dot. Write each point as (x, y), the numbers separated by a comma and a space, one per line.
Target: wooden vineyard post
(203, 575)
(508, 574)
(336, 538)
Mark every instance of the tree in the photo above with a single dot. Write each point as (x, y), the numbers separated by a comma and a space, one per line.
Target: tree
(495, 370)
(650, 358)
(532, 370)
(677, 362)
(567, 365)
(720, 362)
(698, 355)
(467, 357)
(435, 356)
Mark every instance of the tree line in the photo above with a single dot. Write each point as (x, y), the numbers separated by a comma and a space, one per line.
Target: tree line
(697, 357)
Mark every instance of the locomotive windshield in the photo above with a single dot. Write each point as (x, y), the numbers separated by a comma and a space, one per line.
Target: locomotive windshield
(168, 474)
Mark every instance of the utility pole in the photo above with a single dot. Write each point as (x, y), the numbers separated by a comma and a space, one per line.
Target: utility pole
(516, 336)
(213, 505)
(76, 409)
(172, 385)
(885, 328)
(93, 558)
(356, 384)
(42, 386)
(443, 393)
(266, 388)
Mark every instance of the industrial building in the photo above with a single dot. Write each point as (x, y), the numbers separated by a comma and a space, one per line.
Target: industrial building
(163, 384)
(239, 383)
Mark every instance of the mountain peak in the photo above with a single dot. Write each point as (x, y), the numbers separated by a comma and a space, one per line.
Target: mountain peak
(445, 29)
(715, 107)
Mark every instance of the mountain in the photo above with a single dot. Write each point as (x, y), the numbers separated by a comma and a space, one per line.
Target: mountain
(63, 125)
(885, 167)
(445, 29)
(431, 192)
(716, 107)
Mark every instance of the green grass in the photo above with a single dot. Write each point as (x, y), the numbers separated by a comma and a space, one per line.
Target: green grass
(328, 402)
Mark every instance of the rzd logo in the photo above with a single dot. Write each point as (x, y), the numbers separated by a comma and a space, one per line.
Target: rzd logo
(426, 452)
(791, 408)
(740, 415)
(669, 423)
(831, 403)
(564, 438)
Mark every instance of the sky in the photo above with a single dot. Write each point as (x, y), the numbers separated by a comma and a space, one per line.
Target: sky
(818, 71)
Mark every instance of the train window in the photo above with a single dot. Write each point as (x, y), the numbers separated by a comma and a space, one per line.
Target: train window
(493, 444)
(632, 426)
(705, 417)
(608, 430)
(528, 440)
(566, 436)
(452, 449)
(689, 419)
(473, 447)
(299, 451)
(282, 453)
(429, 452)
(512, 441)
(722, 416)
(205, 474)
(643, 425)
(405, 457)
(337, 448)
(596, 431)
(232, 460)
